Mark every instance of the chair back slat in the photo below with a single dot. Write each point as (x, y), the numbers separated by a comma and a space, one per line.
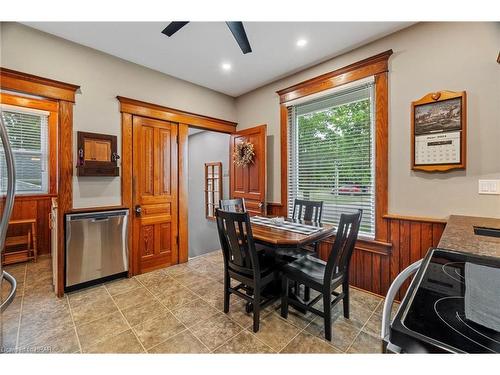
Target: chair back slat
(236, 239)
(307, 210)
(232, 205)
(343, 246)
(233, 237)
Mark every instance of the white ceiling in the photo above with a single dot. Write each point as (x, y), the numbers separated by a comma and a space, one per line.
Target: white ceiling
(195, 53)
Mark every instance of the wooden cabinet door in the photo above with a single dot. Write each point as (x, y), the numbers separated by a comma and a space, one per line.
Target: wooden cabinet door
(249, 182)
(155, 176)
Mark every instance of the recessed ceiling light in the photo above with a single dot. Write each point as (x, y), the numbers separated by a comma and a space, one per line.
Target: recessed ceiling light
(226, 66)
(301, 42)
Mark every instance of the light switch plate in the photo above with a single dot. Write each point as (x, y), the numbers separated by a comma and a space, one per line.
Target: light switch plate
(491, 187)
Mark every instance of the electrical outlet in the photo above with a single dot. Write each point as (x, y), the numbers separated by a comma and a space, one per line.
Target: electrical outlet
(489, 187)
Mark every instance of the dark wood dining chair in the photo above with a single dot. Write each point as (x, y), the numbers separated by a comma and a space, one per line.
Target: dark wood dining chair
(304, 210)
(324, 277)
(232, 205)
(307, 210)
(242, 263)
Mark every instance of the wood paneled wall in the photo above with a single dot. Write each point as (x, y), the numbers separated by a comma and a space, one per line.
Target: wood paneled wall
(32, 208)
(410, 238)
(373, 268)
(374, 271)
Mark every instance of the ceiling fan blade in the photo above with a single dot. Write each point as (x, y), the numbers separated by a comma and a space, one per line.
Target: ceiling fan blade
(240, 35)
(173, 27)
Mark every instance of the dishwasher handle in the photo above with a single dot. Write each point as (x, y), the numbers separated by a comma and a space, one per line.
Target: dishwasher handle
(99, 219)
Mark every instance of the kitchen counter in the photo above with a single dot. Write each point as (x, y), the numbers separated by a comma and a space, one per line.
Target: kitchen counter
(459, 235)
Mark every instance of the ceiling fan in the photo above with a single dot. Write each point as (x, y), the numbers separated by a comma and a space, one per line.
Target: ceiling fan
(236, 28)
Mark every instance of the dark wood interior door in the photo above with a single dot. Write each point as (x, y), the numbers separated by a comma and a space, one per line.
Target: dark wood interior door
(249, 182)
(155, 174)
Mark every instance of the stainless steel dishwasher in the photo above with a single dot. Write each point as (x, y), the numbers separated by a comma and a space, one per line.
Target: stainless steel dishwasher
(96, 247)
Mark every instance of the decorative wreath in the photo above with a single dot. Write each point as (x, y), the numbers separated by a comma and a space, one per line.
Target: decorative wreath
(243, 154)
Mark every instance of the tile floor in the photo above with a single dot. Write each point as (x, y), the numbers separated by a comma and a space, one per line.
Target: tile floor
(173, 310)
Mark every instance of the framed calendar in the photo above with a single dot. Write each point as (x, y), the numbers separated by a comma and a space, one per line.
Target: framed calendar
(438, 132)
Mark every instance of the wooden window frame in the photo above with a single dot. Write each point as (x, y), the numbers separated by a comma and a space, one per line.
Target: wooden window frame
(378, 67)
(51, 107)
(64, 95)
(214, 165)
(130, 107)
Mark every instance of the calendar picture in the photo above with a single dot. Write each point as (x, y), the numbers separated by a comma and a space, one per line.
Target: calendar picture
(438, 132)
(438, 117)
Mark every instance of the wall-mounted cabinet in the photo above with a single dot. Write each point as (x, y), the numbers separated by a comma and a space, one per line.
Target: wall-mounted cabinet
(97, 155)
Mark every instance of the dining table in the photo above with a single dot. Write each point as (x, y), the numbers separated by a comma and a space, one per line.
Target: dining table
(276, 235)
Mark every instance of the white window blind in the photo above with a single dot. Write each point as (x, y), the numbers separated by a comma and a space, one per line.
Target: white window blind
(331, 154)
(28, 135)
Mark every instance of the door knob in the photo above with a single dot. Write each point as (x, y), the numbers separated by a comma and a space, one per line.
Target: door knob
(138, 210)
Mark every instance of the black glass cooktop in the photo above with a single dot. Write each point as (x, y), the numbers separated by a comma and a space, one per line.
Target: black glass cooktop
(453, 305)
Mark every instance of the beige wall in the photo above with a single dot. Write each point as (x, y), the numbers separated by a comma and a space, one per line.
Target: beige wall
(427, 57)
(102, 77)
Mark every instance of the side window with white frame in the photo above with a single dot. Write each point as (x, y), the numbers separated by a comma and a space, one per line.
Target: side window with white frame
(28, 135)
(331, 154)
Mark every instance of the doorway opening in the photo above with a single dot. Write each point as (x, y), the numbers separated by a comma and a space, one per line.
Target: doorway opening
(207, 183)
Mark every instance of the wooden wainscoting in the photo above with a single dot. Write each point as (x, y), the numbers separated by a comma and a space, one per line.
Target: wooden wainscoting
(375, 264)
(32, 207)
(411, 237)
